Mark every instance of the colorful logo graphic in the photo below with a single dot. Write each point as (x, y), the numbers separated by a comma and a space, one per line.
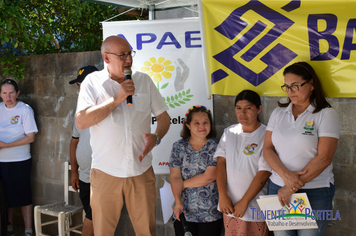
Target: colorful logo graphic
(232, 27)
(250, 149)
(296, 207)
(309, 125)
(298, 210)
(158, 68)
(15, 120)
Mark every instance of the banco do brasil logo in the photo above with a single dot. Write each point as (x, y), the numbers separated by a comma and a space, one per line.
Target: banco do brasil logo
(275, 58)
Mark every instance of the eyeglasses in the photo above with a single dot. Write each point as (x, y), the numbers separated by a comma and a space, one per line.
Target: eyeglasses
(124, 56)
(293, 88)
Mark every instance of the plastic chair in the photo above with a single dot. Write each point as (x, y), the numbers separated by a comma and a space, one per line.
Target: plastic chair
(61, 210)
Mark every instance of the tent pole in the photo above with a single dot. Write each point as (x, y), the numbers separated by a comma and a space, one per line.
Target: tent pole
(151, 12)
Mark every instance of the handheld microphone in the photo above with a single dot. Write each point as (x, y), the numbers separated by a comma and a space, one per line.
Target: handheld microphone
(185, 225)
(128, 74)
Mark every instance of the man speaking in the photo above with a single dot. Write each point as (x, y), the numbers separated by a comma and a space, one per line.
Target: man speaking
(121, 140)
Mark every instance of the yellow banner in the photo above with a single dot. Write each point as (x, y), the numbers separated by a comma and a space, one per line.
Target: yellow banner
(249, 43)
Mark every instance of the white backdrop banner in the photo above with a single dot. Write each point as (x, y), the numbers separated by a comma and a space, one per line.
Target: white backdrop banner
(170, 52)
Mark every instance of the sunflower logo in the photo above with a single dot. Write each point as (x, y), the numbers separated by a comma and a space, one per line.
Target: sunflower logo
(158, 68)
(309, 125)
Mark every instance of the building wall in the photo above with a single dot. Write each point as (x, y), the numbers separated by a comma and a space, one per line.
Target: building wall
(46, 89)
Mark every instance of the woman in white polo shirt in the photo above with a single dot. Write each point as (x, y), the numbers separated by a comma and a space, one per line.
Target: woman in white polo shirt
(300, 142)
(241, 170)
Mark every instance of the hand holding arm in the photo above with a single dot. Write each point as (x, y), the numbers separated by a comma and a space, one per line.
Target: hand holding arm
(225, 202)
(202, 179)
(74, 175)
(284, 194)
(290, 178)
(29, 138)
(163, 123)
(326, 150)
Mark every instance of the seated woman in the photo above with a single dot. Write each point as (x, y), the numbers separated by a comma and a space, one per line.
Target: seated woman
(241, 169)
(192, 173)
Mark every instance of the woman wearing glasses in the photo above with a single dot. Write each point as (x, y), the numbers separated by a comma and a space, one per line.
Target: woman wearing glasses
(300, 142)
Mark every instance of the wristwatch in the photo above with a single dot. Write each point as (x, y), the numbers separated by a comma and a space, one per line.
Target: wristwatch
(158, 140)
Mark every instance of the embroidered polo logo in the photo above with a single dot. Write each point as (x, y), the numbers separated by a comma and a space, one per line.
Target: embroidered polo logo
(250, 149)
(309, 125)
(15, 120)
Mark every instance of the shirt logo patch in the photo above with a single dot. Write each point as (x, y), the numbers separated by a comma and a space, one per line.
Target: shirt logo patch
(250, 149)
(15, 120)
(309, 127)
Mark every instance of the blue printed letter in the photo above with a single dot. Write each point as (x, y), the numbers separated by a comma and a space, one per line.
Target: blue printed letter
(163, 40)
(315, 36)
(189, 39)
(140, 41)
(349, 35)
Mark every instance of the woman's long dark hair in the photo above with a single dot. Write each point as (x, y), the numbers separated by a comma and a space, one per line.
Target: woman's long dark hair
(317, 98)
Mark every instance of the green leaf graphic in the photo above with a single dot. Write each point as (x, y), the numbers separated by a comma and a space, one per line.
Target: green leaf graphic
(164, 86)
(178, 99)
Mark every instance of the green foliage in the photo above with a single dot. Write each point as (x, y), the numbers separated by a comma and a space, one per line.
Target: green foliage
(178, 99)
(35, 27)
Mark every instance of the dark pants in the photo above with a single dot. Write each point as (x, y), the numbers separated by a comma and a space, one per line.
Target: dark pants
(84, 194)
(200, 229)
(16, 177)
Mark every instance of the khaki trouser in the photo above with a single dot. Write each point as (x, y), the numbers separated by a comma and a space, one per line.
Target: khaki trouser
(108, 194)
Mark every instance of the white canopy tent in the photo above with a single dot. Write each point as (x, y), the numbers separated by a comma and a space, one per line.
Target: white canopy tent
(150, 5)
